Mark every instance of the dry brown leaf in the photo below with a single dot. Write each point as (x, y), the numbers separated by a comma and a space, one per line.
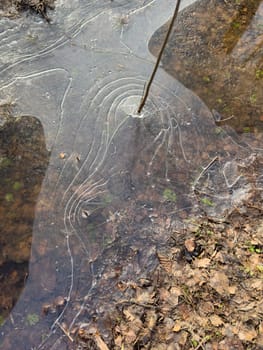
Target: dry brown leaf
(232, 289)
(253, 262)
(216, 320)
(196, 277)
(220, 283)
(247, 334)
(130, 336)
(183, 337)
(189, 245)
(219, 256)
(248, 306)
(201, 263)
(206, 308)
(165, 262)
(260, 335)
(257, 284)
(176, 291)
(118, 341)
(62, 155)
(163, 294)
(201, 321)
(177, 326)
(129, 315)
(144, 296)
(151, 319)
(100, 343)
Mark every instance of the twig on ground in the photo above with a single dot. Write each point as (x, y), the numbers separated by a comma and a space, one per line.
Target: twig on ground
(148, 85)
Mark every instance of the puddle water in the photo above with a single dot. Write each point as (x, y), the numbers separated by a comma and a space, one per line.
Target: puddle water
(23, 163)
(114, 178)
(216, 51)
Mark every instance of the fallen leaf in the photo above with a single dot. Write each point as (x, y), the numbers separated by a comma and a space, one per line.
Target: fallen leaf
(201, 263)
(206, 308)
(189, 245)
(144, 296)
(232, 289)
(216, 320)
(118, 341)
(130, 336)
(62, 155)
(183, 337)
(220, 283)
(257, 284)
(151, 319)
(247, 334)
(177, 326)
(100, 343)
(165, 262)
(129, 315)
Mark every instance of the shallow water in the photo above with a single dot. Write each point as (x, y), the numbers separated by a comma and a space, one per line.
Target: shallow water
(113, 175)
(216, 51)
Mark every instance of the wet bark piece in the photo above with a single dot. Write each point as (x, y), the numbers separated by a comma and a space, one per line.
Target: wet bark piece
(23, 161)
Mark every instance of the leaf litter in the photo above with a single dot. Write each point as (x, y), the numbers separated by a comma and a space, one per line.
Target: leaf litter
(208, 300)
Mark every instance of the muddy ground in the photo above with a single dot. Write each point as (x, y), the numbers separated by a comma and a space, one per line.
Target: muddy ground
(12, 8)
(215, 50)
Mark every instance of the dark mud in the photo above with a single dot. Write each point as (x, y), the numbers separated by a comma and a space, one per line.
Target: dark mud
(23, 162)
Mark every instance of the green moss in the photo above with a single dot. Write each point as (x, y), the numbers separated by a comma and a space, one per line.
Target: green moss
(17, 185)
(32, 319)
(218, 131)
(206, 79)
(169, 195)
(108, 198)
(255, 249)
(4, 162)
(9, 197)
(246, 129)
(236, 25)
(2, 320)
(259, 73)
(207, 201)
(253, 98)
(194, 343)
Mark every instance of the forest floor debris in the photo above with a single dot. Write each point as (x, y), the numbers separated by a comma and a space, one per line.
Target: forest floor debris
(206, 292)
(12, 8)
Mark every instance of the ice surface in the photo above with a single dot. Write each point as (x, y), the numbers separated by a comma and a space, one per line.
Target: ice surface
(83, 77)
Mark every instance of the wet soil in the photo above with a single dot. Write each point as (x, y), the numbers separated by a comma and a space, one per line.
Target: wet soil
(215, 50)
(23, 161)
(203, 289)
(206, 291)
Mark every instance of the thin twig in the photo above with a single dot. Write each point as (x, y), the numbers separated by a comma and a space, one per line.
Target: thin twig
(148, 86)
(204, 170)
(65, 332)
